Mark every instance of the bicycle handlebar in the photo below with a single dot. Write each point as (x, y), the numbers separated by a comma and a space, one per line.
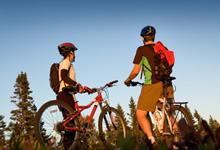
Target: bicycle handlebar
(168, 79)
(75, 89)
(132, 83)
(93, 90)
(110, 84)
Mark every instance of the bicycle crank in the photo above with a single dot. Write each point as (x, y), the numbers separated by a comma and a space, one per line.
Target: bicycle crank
(58, 127)
(88, 130)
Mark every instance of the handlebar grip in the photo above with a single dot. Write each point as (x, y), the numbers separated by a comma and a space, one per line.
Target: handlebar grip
(111, 83)
(86, 89)
(132, 83)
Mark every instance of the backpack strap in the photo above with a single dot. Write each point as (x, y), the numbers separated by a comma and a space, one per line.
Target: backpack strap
(142, 70)
(147, 68)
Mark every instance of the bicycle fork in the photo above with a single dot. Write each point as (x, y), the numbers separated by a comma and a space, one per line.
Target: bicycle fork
(109, 112)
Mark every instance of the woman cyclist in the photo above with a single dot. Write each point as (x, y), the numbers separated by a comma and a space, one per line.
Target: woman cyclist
(67, 77)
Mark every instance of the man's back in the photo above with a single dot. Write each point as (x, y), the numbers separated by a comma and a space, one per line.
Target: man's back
(145, 56)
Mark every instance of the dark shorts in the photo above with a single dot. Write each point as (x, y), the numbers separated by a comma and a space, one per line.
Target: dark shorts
(150, 95)
(66, 98)
(68, 136)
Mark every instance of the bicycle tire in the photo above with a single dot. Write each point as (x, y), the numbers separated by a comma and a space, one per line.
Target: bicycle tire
(111, 125)
(178, 113)
(48, 118)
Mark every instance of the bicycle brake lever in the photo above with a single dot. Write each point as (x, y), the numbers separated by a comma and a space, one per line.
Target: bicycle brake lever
(132, 83)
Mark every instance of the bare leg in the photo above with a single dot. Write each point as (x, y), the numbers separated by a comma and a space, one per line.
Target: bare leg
(143, 122)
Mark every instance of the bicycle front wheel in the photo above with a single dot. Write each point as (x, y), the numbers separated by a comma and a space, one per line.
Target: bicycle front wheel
(177, 113)
(50, 129)
(111, 126)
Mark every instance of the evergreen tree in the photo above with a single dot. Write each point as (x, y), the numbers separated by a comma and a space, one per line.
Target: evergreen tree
(132, 107)
(2, 129)
(131, 115)
(23, 117)
(213, 124)
(190, 115)
(122, 113)
(199, 120)
(198, 126)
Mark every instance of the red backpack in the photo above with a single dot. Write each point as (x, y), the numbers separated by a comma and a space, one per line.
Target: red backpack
(166, 55)
(163, 61)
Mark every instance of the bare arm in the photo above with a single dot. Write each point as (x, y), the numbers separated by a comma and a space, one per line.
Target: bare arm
(133, 74)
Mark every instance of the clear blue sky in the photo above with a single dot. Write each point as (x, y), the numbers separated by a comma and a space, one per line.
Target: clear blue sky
(107, 36)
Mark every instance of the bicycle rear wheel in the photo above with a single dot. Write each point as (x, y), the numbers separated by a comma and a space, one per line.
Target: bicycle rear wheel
(176, 113)
(111, 126)
(49, 128)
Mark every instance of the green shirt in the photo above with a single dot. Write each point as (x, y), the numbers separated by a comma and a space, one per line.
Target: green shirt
(145, 55)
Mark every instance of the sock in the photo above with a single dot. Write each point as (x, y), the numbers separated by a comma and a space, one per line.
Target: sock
(152, 139)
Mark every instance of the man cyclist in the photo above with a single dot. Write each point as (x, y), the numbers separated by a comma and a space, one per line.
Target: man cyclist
(67, 77)
(152, 88)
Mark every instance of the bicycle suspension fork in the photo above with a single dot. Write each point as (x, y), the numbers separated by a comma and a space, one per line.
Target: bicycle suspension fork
(109, 112)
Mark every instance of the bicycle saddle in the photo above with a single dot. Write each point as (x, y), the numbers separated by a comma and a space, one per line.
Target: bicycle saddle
(166, 79)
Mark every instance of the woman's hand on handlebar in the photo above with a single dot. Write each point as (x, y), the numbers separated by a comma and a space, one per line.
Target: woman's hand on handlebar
(81, 89)
(88, 90)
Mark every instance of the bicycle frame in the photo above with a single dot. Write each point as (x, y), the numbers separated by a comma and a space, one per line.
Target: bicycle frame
(172, 120)
(160, 126)
(98, 100)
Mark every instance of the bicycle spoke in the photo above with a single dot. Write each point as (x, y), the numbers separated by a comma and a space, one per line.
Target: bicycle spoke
(111, 126)
(49, 127)
(106, 123)
(112, 120)
(177, 113)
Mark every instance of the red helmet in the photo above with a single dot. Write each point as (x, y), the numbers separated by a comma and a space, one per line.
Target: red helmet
(65, 48)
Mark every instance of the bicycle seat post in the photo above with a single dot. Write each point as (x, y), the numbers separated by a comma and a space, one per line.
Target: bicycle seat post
(167, 82)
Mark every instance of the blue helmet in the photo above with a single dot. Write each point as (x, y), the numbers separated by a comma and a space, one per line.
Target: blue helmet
(148, 30)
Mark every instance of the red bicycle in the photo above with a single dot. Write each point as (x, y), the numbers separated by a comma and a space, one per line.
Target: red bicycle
(56, 119)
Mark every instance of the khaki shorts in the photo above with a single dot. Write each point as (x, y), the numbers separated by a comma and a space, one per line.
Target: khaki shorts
(150, 94)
